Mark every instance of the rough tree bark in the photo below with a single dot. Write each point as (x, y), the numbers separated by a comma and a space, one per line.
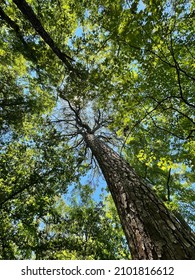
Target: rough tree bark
(152, 231)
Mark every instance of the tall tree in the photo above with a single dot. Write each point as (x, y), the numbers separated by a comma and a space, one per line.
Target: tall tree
(152, 231)
(149, 88)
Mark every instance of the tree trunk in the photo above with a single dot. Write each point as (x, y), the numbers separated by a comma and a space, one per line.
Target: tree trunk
(152, 231)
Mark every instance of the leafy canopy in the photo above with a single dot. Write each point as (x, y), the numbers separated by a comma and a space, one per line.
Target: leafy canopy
(137, 65)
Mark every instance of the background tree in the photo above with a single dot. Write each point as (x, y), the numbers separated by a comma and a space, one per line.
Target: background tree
(82, 230)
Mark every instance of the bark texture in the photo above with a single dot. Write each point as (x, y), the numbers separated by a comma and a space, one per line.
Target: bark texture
(152, 231)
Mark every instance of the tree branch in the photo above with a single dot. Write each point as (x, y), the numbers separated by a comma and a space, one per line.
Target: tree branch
(19, 34)
(160, 58)
(168, 186)
(32, 18)
(177, 67)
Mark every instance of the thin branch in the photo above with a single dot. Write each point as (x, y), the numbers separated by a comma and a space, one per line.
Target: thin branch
(190, 134)
(148, 113)
(78, 143)
(177, 67)
(168, 185)
(166, 130)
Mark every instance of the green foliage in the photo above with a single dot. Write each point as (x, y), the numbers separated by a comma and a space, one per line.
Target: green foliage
(139, 58)
(82, 230)
(35, 171)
